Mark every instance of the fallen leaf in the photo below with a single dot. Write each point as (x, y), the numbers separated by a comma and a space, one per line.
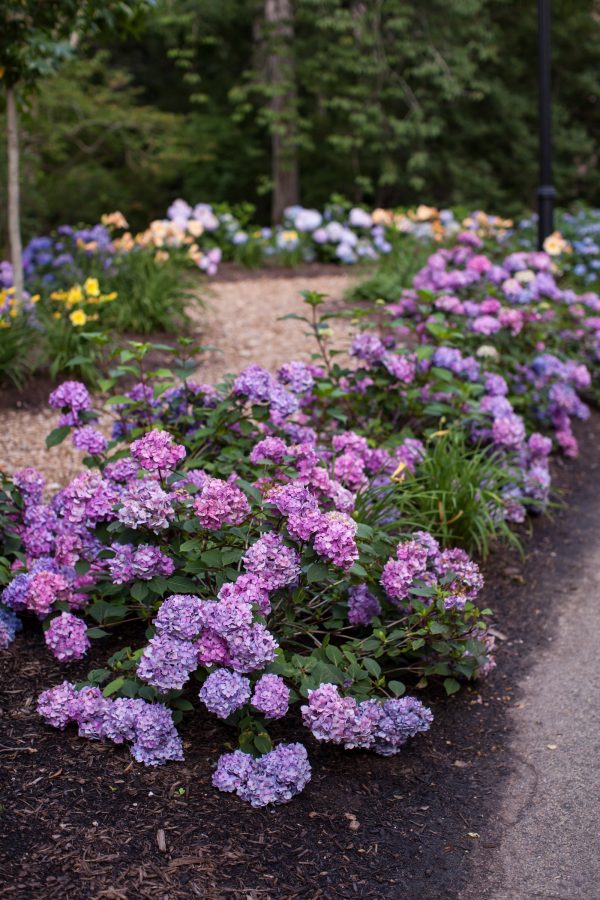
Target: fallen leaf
(552, 746)
(460, 764)
(161, 840)
(473, 834)
(354, 823)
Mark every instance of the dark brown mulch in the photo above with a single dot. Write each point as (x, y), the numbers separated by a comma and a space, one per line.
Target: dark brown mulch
(81, 820)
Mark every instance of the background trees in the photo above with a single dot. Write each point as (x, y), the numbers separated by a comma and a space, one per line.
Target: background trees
(386, 101)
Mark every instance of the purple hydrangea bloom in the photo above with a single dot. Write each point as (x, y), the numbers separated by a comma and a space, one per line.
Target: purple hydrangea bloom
(270, 448)
(181, 616)
(297, 376)
(89, 709)
(382, 727)
(271, 696)
(274, 778)
(403, 368)
(72, 396)
(54, 705)
(251, 648)
(398, 574)
(156, 452)
(89, 439)
(369, 347)
(467, 580)
(362, 605)
(212, 648)
(66, 637)
(349, 469)
(495, 385)
(145, 505)
(250, 590)
(121, 471)
(400, 720)
(275, 564)
(220, 503)
(121, 719)
(508, 431)
(156, 739)
(88, 499)
(224, 692)
(259, 386)
(31, 483)
(335, 539)
(9, 625)
(167, 662)
(300, 508)
(232, 771)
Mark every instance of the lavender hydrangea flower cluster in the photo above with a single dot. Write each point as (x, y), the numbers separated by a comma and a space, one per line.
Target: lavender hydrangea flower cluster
(89, 439)
(156, 452)
(274, 778)
(271, 696)
(363, 606)
(369, 725)
(148, 726)
(224, 692)
(142, 562)
(10, 624)
(66, 637)
(144, 504)
(220, 503)
(456, 577)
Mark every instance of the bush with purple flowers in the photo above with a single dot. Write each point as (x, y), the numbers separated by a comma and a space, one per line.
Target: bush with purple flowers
(300, 537)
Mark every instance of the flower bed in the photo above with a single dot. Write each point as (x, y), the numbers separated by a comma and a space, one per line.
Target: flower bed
(292, 538)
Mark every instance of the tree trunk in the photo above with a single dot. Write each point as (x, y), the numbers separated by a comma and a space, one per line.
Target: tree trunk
(14, 204)
(281, 80)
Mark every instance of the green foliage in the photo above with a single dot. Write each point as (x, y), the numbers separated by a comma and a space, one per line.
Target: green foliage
(16, 338)
(152, 295)
(456, 494)
(393, 272)
(397, 102)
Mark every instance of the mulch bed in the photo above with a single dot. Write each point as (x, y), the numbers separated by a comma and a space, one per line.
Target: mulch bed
(81, 820)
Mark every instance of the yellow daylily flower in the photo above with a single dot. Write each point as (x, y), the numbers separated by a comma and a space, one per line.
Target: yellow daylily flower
(400, 473)
(74, 295)
(78, 317)
(92, 287)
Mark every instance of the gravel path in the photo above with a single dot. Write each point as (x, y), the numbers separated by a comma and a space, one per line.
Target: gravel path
(240, 319)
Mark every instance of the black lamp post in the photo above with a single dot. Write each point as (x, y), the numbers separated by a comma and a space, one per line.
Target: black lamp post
(546, 192)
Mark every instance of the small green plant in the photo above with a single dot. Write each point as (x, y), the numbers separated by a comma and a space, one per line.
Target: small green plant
(393, 272)
(457, 494)
(151, 295)
(17, 337)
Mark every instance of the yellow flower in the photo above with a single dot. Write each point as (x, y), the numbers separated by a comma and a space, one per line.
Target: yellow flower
(400, 473)
(92, 287)
(35, 298)
(289, 235)
(78, 317)
(74, 295)
(108, 297)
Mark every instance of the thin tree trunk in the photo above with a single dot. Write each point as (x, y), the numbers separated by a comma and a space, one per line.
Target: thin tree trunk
(14, 203)
(281, 78)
